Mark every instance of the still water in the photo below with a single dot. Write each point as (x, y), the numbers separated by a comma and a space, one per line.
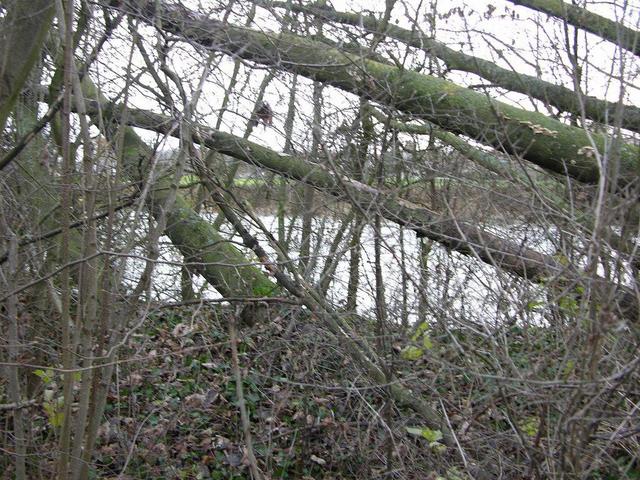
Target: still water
(455, 288)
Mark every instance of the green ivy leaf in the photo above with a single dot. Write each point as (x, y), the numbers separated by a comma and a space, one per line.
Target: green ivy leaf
(187, 180)
(411, 353)
(438, 447)
(45, 375)
(420, 330)
(432, 436)
(534, 305)
(55, 414)
(568, 368)
(421, 335)
(530, 426)
(568, 305)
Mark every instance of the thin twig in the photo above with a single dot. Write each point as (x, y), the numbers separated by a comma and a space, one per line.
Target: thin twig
(17, 405)
(246, 425)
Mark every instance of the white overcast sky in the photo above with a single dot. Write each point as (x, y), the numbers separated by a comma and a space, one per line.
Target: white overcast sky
(474, 33)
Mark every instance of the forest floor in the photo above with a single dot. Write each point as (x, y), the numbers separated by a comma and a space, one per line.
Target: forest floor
(172, 412)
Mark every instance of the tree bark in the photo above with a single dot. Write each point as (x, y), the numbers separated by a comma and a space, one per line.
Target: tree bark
(625, 37)
(222, 264)
(533, 136)
(558, 96)
(455, 235)
(22, 35)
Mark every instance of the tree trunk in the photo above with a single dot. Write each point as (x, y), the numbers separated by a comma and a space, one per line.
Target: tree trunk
(614, 32)
(557, 95)
(544, 141)
(22, 35)
(213, 256)
(456, 235)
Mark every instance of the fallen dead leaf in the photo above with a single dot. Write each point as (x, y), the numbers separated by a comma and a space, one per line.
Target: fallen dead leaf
(318, 460)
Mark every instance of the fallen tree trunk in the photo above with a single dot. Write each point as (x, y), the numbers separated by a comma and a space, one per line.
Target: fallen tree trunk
(22, 34)
(455, 235)
(223, 266)
(212, 255)
(625, 37)
(542, 140)
(495, 165)
(558, 96)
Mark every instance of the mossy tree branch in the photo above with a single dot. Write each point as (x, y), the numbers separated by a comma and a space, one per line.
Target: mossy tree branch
(625, 37)
(535, 137)
(226, 268)
(558, 96)
(22, 35)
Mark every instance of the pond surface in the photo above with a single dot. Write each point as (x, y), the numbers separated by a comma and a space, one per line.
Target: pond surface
(457, 289)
